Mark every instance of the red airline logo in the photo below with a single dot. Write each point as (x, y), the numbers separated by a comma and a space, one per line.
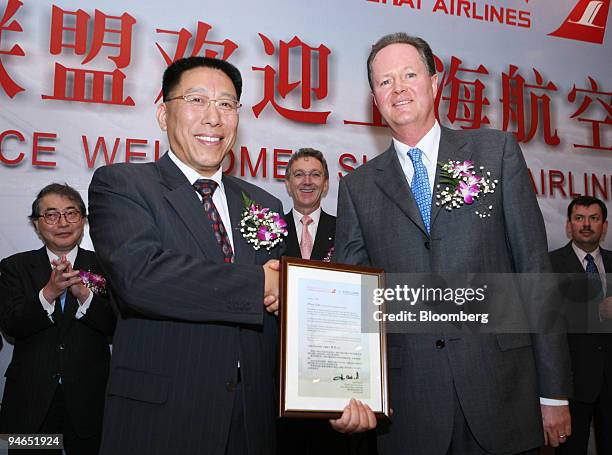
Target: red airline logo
(586, 22)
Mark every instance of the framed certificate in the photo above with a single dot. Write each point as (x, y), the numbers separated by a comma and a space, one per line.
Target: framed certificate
(328, 354)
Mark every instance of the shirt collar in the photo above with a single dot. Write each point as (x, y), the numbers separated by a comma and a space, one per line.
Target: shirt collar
(297, 216)
(428, 144)
(192, 175)
(71, 256)
(582, 254)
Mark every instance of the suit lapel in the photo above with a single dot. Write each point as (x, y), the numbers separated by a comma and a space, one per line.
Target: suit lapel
(293, 246)
(449, 149)
(324, 238)
(41, 268)
(183, 198)
(243, 251)
(572, 261)
(392, 181)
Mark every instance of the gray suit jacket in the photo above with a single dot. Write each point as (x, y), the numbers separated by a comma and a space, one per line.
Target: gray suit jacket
(187, 317)
(497, 378)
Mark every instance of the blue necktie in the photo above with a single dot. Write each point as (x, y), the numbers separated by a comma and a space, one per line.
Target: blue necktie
(594, 278)
(420, 185)
(63, 299)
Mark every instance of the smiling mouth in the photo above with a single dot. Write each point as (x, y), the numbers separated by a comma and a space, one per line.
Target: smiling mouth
(402, 103)
(208, 139)
(307, 190)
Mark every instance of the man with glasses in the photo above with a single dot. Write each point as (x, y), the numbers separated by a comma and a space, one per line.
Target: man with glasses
(194, 355)
(311, 230)
(56, 379)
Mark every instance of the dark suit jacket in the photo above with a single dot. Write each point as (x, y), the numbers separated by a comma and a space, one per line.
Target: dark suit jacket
(323, 242)
(497, 377)
(591, 353)
(76, 349)
(188, 317)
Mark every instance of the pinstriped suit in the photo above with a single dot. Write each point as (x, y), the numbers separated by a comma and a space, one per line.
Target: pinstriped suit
(496, 378)
(76, 349)
(188, 318)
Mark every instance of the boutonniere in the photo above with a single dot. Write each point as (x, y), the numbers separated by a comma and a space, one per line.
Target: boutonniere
(461, 185)
(95, 283)
(260, 226)
(329, 254)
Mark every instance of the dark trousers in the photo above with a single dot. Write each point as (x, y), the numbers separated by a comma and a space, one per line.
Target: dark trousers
(600, 412)
(57, 421)
(237, 439)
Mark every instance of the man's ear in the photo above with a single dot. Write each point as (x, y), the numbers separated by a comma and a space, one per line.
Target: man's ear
(161, 116)
(568, 229)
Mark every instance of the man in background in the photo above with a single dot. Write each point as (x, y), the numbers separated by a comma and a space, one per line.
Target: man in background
(56, 379)
(311, 230)
(590, 321)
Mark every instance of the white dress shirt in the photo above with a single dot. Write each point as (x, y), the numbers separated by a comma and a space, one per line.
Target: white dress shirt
(219, 197)
(50, 307)
(429, 145)
(312, 227)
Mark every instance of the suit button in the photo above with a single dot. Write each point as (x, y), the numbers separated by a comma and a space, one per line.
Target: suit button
(440, 344)
(230, 386)
(62, 346)
(427, 245)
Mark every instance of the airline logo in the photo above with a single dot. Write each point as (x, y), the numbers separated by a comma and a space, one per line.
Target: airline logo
(587, 22)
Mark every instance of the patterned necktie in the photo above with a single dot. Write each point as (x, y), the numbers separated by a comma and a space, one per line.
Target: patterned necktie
(306, 243)
(420, 185)
(206, 188)
(594, 278)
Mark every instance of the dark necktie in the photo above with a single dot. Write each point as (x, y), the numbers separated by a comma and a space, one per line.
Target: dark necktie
(594, 279)
(206, 188)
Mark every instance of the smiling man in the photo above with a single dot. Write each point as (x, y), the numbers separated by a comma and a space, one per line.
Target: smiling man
(311, 230)
(193, 368)
(476, 394)
(57, 376)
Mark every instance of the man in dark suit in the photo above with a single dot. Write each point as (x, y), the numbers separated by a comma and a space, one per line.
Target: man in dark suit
(56, 379)
(460, 393)
(194, 354)
(311, 231)
(590, 321)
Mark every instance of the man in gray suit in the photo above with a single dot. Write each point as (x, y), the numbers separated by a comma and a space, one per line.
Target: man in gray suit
(466, 393)
(194, 357)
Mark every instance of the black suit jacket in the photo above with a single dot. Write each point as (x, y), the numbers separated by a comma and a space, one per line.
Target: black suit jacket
(188, 317)
(76, 349)
(323, 242)
(591, 353)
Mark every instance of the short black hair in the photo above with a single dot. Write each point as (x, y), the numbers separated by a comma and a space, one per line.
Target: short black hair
(63, 190)
(172, 75)
(303, 153)
(587, 201)
(402, 38)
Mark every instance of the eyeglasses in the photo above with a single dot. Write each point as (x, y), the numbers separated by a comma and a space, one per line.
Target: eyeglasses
(315, 175)
(71, 216)
(202, 102)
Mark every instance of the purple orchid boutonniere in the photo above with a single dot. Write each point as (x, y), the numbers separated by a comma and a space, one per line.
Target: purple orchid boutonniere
(328, 256)
(461, 185)
(261, 227)
(96, 283)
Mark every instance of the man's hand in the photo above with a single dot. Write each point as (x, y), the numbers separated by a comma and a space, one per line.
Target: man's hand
(605, 308)
(356, 418)
(62, 277)
(271, 269)
(557, 424)
(78, 290)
